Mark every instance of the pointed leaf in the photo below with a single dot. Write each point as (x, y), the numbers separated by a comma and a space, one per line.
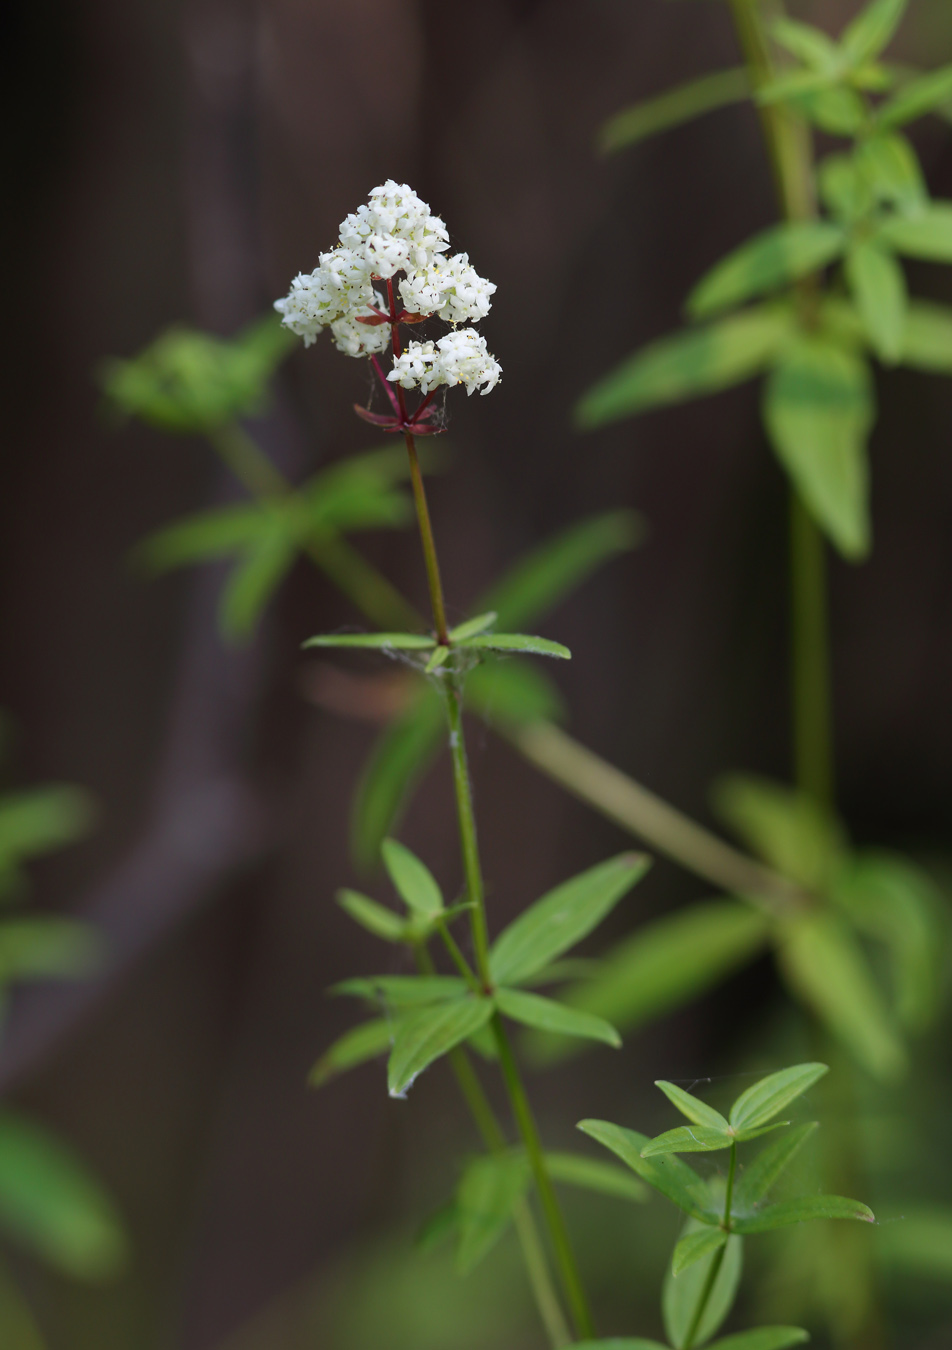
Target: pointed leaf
(838, 110)
(357, 1046)
(872, 30)
(473, 626)
(844, 188)
(591, 1174)
(517, 642)
(818, 410)
(878, 285)
(48, 947)
(533, 1010)
(380, 641)
(680, 1296)
(762, 1338)
(208, 534)
(488, 1193)
(927, 234)
(402, 991)
(667, 1174)
(772, 259)
(686, 366)
(808, 44)
(688, 1139)
(925, 95)
(377, 919)
(767, 1098)
(785, 827)
(694, 1246)
(825, 966)
(254, 579)
(692, 1107)
(413, 880)
(758, 1177)
(890, 168)
(562, 917)
(927, 338)
(438, 659)
(424, 1035)
(39, 820)
(802, 1210)
(678, 105)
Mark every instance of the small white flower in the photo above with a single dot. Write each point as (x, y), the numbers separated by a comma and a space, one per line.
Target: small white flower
(340, 285)
(395, 211)
(449, 287)
(360, 339)
(457, 358)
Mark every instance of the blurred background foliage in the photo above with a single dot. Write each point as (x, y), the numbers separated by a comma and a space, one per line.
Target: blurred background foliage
(174, 166)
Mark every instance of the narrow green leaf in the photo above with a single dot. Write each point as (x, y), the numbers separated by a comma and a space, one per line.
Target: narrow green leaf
(667, 1174)
(818, 410)
(925, 95)
(382, 922)
(795, 86)
(401, 991)
(400, 758)
(839, 111)
(785, 827)
(695, 1246)
(438, 659)
(758, 1177)
(208, 534)
(808, 44)
(562, 917)
(673, 108)
(919, 1242)
(927, 339)
(39, 820)
(591, 1174)
(664, 964)
(489, 1191)
(844, 189)
(762, 1338)
(48, 947)
(802, 1210)
(692, 1107)
(927, 234)
(546, 575)
(517, 642)
(533, 1010)
(424, 1035)
(770, 260)
(356, 493)
(687, 365)
(872, 30)
(357, 1046)
(512, 693)
(413, 880)
(768, 1097)
(51, 1204)
(381, 641)
(253, 581)
(878, 285)
(825, 966)
(680, 1296)
(755, 1131)
(688, 1139)
(890, 168)
(473, 626)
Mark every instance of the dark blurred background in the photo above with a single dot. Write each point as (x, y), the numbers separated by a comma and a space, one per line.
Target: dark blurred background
(182, 161)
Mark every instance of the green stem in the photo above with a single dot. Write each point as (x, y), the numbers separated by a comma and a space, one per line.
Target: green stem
(466, 818)
(248, 462)
(810, 658)
(715, 1267)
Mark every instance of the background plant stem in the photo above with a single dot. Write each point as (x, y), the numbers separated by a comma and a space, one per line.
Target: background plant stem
(718, 1260)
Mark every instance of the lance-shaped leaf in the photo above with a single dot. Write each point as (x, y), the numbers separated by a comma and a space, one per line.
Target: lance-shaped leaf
(802, 1210)
(687, 365)
(680, 1295)
(693, 1246)
(424, 1035)
(818, 411)
(878, 286)
(872, 30)
(697, 1111)
(667, 1174)
(927, 338)
(402, 991)
(562, 917)
(254, 579)
(775, 258)
(927, 234)
(924, 95)
(890, 168)
(376, 918)
(785, 827)
(688, 1139)
(771, 1095)
(208, 534)
(757, 1178)
(824, 965)
(379, 641)
(533, 1010)
(38, 820)
(762, 1338)
(356, 493)
(357, 1046)
(838, 110)
(808, 44)
(844, 189)
(591, 1174)
(516, 642)
(51, 1204)
(439, 658)
(674, 107)
(47, 947)
(414, 881)
(474, 626)
(489, 1191)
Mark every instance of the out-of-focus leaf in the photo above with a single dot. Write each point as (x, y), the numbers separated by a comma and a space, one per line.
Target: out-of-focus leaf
(549, 573)
(795, 86)
(562, 917)
(620, 1343)
(694, 1246)
(665, 964)
(808, 44)
(818, 410)
(924, 95)
(680, 1295)
(473, 626)
(441, 1224)
(424, 1035)
(844, 189)
(927, 234)
(376, 918)
(890, 167)
(927, 338)
(534, 1010)
(872, 30)
(208, 534)
(253, 581)
(839, 111)
(769, 260)
(919, 1241)
(785, 827)
(758, 1177)
(489, 1191)
(48, 947)
(516, 642)
(673, 108)
(377, 641)
(512, 692)
(762, 1338)
(802, 1210)
(18, 1328)
(357, 493)
(824, 965)
(591, 1174)
(356, 1046)
(688, 1139)
(38, 820)
(771, 1095)
(891, 899)
(878, 285)
(51, 1204)
(691, 363)
(667, 1174)
(400, 758)
(697, 1111)
(414, 881)
(401, 991)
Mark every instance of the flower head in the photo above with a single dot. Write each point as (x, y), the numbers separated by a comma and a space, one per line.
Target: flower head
(457, 358)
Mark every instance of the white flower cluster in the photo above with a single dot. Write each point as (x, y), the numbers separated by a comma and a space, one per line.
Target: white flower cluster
(458, 358)
(396, 232)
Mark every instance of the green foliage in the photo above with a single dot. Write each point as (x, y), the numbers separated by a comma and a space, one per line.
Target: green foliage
(545, 1014)
(758, 1177)
(357, 1046)
(489, 1191)
(427, 1033)
(682, 1294)
(695, 1245)
(413, 880)
(773, 1094)
(802, 1210)
(665, 1173)
(672, 109)
(927, 94)
(768, 262)
(879, 288)
(591, 1174)
(36, 821)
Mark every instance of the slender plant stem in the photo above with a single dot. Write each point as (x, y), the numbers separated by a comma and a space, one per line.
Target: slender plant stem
(248, 462)
(810, 658)
(469, 844)
(714, 1270)
(429, 544)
